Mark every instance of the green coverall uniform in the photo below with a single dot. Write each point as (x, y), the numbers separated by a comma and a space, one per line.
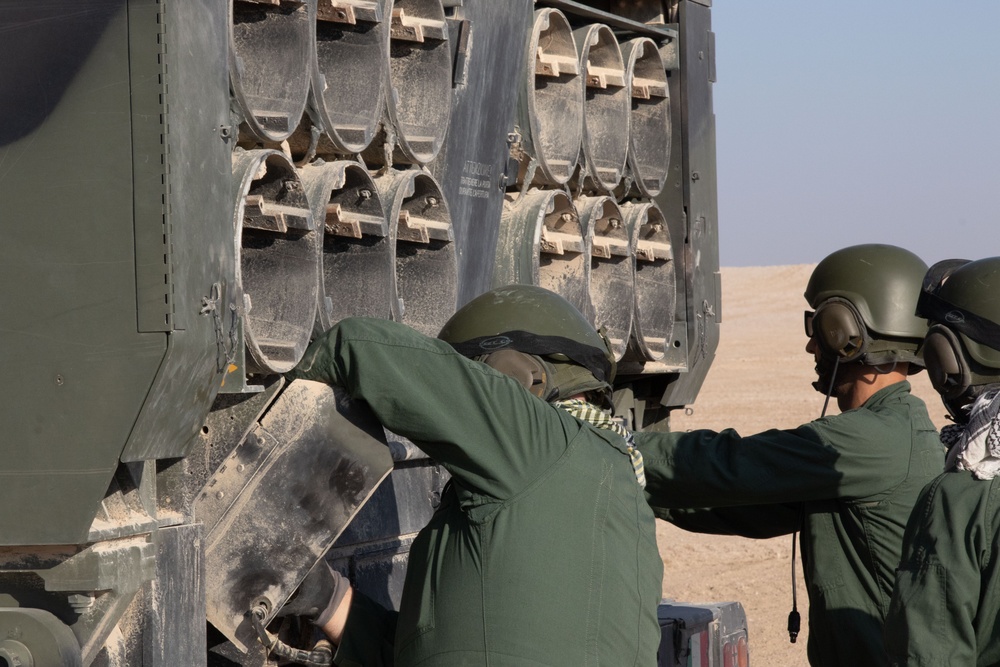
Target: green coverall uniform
(847, 481)
(945, 609)
(543, 550)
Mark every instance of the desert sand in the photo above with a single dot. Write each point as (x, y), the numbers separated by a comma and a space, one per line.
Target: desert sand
(761, 378)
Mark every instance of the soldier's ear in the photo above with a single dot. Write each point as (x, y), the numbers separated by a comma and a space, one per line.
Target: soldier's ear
(529, 370)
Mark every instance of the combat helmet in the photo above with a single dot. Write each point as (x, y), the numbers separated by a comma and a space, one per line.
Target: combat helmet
(961, 299)
(864, 299)
(537, 337)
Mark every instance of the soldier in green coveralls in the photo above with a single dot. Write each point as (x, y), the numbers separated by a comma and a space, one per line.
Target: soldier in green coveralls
(946, 606)
(846, 481)
(543, 550)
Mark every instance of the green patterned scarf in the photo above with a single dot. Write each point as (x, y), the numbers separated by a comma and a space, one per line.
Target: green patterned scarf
(598, 418)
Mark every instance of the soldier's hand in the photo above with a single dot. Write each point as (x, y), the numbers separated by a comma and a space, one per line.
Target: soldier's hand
(318, 596)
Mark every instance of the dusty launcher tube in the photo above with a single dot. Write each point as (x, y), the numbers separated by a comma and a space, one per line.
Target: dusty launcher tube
(271, 46)
(425, 280)
(350, 71)
(655, 281)
(418, 95)
(649, 130)
(357, 261)
(278, 255)
(605, 109)
(541, 243)
(612, 269)
(550, 104)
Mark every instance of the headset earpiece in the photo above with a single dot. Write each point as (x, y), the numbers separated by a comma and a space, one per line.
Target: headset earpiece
(839, 330)
(529, 370)
(946, 366)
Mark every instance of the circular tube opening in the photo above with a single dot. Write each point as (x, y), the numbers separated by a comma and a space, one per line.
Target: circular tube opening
(550, 113)
(278, 260)
(541, 243)
(655, 280)
(357, 262)
(350, 72)
(426, 263)
(612, 270)
(271, 47)
(605, 107)
(649, 133)
(419, 98)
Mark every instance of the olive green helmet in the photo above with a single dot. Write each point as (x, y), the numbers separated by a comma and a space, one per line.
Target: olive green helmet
(534, 321)
(962, 301)
(865, 299)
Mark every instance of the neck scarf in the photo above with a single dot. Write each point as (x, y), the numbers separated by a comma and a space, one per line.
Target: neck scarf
(975, 445)
(598, 418)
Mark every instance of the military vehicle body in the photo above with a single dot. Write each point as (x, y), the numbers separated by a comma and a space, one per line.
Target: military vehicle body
(192, 189)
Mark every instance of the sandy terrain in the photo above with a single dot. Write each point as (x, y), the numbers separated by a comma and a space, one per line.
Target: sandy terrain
(760, 379)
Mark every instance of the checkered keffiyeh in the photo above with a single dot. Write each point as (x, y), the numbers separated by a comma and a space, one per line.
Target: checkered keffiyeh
(975, 446)
(598, 418)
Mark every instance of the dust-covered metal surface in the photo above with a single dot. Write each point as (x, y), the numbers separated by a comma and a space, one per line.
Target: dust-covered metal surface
(425, 280)
(475, 165)
(36, 638)
(418, 98)
(269, 44)
(542, 243)
(349, 72)
(279, 258)
(180, 250)
(649, 134)
(373, 550)
(550, 108)
(655, 281)
(357, 265)
(606, 102)
(279, 501)
(612, 269)
(233, 220)
(690, 202)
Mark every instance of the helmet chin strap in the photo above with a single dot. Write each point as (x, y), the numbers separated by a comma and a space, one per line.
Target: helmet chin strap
(794, 619)
(878, 369)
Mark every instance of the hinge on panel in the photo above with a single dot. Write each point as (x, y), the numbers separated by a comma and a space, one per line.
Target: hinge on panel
(170, 315)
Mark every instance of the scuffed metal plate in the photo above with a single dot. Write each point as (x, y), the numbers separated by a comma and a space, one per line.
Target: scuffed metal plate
(288, 490)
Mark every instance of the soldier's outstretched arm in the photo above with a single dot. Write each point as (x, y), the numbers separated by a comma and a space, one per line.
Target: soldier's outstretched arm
(844, 457)
(491, 434)
(754, 521)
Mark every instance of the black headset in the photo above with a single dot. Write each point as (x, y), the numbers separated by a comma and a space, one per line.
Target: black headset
(946, 365)
(946, 357)
(839, 329)
(530, 370)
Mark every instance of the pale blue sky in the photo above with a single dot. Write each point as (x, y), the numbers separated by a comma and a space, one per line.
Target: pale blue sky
(857, 121)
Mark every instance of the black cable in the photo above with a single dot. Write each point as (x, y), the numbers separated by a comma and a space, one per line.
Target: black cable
(794, 619)
(829, 390)
(320, 656)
